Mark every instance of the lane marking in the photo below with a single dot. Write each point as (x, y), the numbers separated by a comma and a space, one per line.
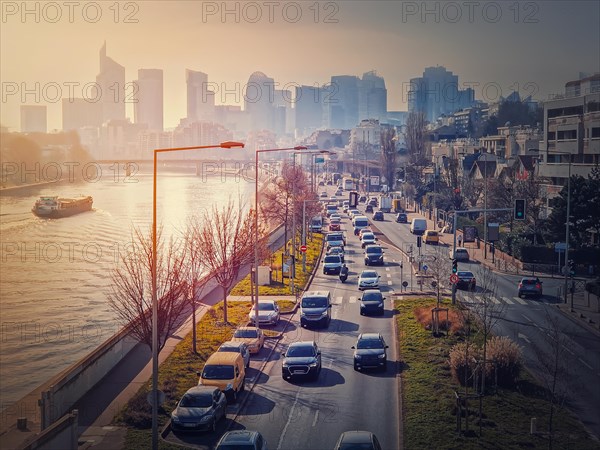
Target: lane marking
(390, 283)
(519, 300)
(287, 424)
(527, 318)
(569, 350)
(585, 364)
(352, 299)
(316, 418)
(508, 300)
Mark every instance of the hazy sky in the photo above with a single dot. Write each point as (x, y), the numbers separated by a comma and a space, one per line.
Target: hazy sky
(502, 45)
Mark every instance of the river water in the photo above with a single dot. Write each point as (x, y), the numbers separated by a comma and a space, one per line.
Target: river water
(55, 273)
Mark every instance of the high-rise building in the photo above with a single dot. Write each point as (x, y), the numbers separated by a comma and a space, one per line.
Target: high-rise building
(148, 108)
(111, 86)
(259, 98)
(437, 93)
(372, 97)
(342, 102)
(200, 99)
(308, 109)
(34, 119)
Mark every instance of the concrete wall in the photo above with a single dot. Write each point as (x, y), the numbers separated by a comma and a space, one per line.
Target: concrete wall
(61, 435)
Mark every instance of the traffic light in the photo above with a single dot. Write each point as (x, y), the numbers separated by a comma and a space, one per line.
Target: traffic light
(454, 265)
(419, 241)
(571, 267)
(520, 209)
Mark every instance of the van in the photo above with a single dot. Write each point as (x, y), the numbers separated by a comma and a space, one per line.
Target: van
(431, 237)
(359, 222)
(226, 371)
(418, 226)
(315, 308)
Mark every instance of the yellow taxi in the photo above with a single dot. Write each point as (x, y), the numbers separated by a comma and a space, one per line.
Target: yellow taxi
(252, 336)
(431, 237)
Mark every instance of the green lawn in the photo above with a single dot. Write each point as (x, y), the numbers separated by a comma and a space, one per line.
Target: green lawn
(429, 402)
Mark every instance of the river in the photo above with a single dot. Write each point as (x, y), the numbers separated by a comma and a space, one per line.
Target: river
(55, 273)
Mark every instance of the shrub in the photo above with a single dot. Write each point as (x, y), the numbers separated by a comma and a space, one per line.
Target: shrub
(138, 412)
(454, 323)
(507, 357)
(461, 361)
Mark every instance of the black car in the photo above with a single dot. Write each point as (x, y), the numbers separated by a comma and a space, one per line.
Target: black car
(363, 440)
(200, 408)
(466, 280)
(370, 351)
(362, 199)
(369, 209)
(371, 302)
(373, 255)
(378, 215)
(301, 359)
(401, 218)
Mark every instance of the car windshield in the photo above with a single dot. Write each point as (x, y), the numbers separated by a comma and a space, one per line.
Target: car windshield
(368, 274)
(229, 348)
(314, 302)
(372, 297)
(374, 250)
(526, 281)
(361, 223)
(334, 237)
(368, 236)
(217, 372)
(332, 259)
(266, 307)
(369, 343)
(300, 350)
(196, 400)
(245, 334)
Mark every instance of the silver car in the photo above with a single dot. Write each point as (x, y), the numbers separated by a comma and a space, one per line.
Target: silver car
(268, 313)
(368, 279)
(236, 347)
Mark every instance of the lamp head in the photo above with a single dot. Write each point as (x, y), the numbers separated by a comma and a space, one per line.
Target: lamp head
(231, 144)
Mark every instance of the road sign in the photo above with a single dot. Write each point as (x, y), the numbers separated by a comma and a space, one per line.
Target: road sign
(303, 248)
(425, 267)
(453, 278)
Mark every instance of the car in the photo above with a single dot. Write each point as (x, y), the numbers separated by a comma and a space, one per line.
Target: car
(345, 206)
(315, 309)
(236, 347)
(368, 279)
(362, 199)
(335, 225)
(369, 208)
(370, 351)
(332, 264)
(353, 212)
(363, 231)
(367, 239)
(329, 183)
(333, 200)
(335, 238)
(466, 280)
(200, 408)
(431, 237)
(335, 216)
(339, 192)
(378, 216)
(530, 286)
(242, 440)
(460, 254)
(226, 371)
(337, 250)
(321, 183)
(301, 358)
(371, 301)
(252, 336)
(401, 218)
(373, 201)
(323, 194)
(268, 313)
(373, 255)
(363, 440)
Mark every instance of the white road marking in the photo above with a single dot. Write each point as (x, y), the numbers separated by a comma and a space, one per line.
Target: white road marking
(387, 270)
(508, 300)
(390, 282)
(338, 300)
(519, 300)
(526, 318)
(316, 418)
(569, 350)
(585, 364)
(352, 299)
(389, 275)
(525, 338)
(288, 421)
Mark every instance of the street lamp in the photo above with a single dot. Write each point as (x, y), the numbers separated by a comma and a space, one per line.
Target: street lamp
(154, 296)
(256, 217)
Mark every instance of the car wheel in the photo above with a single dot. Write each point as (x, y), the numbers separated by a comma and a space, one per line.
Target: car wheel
(520, 295)
(384, 367)
(234, 396)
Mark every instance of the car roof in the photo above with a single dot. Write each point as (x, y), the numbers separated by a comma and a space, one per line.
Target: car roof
(222, 358)
(461, 249)
(368, 271)
(530, 279)
(302, 344)
(316, 294)
(464, 272)
(239, 437)
(233, 344)
(201, 389)
(369, 336)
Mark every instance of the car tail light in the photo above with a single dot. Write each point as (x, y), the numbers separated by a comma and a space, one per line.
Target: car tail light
(520, 285)
(538, 286)
(473, 281)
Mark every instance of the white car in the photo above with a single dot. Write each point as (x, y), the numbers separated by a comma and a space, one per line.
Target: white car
(353, 212)
(367, 239)
(268, 313)
(363, 231)
(368, 279)
(335, 216)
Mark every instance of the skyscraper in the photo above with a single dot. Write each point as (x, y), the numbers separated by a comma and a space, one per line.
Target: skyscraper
(308, 109)
(33, 119)
(372, 97)
(200, 100)
(259, 98)
(342, 102)
(111, 85)
(148, 108)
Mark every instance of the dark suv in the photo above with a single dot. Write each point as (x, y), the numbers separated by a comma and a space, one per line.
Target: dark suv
(301, 358)
(373, 255)
(370, 351)
(378, 215)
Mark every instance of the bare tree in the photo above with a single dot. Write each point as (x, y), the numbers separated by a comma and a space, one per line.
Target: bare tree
(415, 135)
(389, 155)
(438, 267)
(227, 238)
(130, 294)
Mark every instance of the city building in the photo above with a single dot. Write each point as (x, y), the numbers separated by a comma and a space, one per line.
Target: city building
(200, 99)
(34, 119)
(309, 104)
(259, 98)
(80, 112)
(111, 88)
(148, 107)
(372, 97)
(341, 104)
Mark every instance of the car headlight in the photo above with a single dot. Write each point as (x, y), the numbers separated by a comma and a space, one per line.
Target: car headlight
(285, 364)
(357, 356)
(205, 418)
(314, 364)
(175, 418)
(381, 356)
(324, 313)
(381, 305)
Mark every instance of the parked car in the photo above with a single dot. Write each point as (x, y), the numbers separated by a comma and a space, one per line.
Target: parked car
(530, 286)
(363, 440)
(368, 279)
(466, 280)
(371, 301)
(301, 359)
(323, 194)
(401, 218)
(226, 371)
(431, 237)
(236, 347)
(369, 208)
(370, 351)
(252, 336)
(374, 255)
(200, 408)
(460, 254)
(378, 216)
(242, 440)
(268, 313)
(367, 239)
(332, 264)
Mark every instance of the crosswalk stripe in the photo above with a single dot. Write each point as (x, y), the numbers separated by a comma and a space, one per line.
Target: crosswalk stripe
(338, 300)
(508, 300)
(352, 299)
(390, 283)
(519, 300)
(495, 300)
